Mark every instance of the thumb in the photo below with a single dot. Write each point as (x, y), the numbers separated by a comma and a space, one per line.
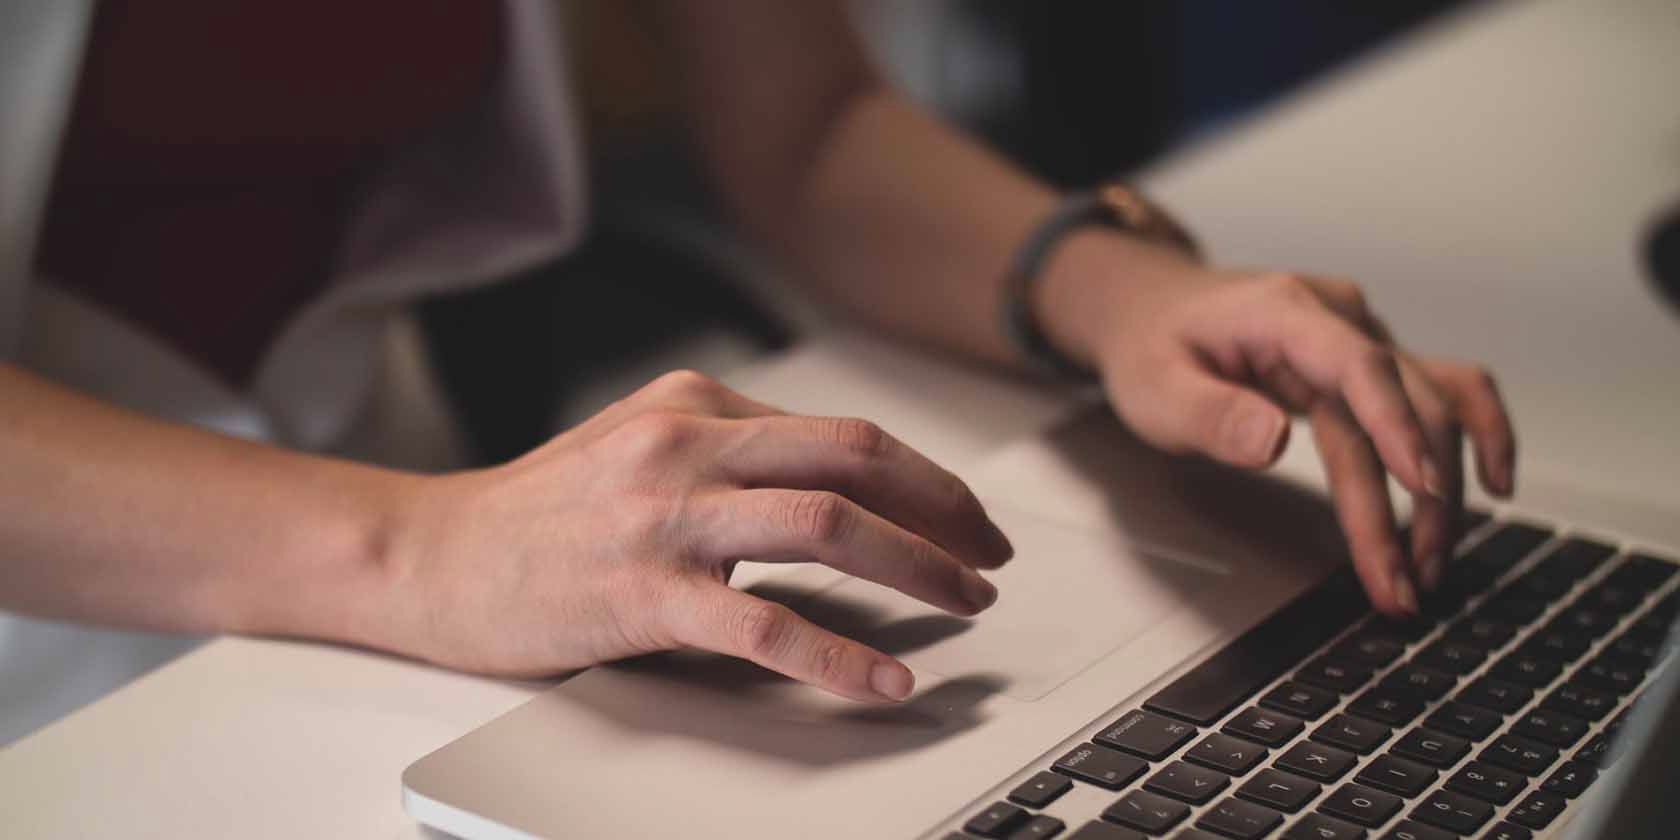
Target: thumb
(1194, 410)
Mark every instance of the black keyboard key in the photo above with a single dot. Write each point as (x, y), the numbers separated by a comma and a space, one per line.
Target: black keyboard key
(1226, 754)
(1319, 762)
(1397, 775)
(1433, 748)
(1323, 827)
(1147, 812)
(1525, 669)
(1610, 675)
(1038, 827)
(1586, 621)
(1484, 633)
(1386, 706)
(1146, 735)
(1359, 804)
(1301, 700)
(1280, 790)
(1452, 657)
(1487, 782)
(1352, 733)
(1272, 729)
(1530, 758)
(1537, 810)
(1240, 820)
(1454, 812)
(1100, 766)
(1414, 830)
(1611, 599)
(1558, 645)
(1542, 583)
(1334, 675)
(1040, 790)
(1255, 658)
(1580, 700)
(1464, 720)
(1422, 683)
(1596, 752)
(1187, 782)
(1503, 830)
(1555, 728)
(1411, 628)
(1646, 570)
(1572, 779)
(1507, 546)
(1578, 557)
(1512, 607)
(996, 821)
(1371, 648)
(1635, 650)
(1097, 830)
(1496, 694)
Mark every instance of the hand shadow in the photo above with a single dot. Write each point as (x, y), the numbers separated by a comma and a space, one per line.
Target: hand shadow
(737, 705)
(1198, 511)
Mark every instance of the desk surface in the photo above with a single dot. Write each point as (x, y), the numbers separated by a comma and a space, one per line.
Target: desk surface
(1485, 180)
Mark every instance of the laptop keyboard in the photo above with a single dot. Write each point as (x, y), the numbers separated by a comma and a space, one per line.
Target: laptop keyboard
(1483, 716)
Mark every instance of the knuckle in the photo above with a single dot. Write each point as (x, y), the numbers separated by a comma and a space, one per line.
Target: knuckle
(820, 515)
(1288, 285)
(687, 387)
(860, 437)
(1484, 380)
(1378, 360)
(655, 434)
(759, 628)
(828, 663)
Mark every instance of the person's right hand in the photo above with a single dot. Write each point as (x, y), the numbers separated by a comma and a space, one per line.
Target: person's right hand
(618, 537)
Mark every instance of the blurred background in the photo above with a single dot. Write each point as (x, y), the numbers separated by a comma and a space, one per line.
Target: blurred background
(1076, 92)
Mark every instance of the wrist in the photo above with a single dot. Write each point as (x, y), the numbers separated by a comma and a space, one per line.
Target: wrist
(341, 576)
(1090, 281)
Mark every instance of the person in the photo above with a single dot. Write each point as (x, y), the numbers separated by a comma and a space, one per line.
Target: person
(208, 514)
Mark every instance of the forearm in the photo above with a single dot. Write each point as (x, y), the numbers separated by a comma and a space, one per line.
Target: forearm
(880, 208)
(913, 227)
(115, 518)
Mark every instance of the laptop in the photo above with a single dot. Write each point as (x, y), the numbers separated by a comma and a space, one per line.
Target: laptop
(1179, 649)
(1205, 667)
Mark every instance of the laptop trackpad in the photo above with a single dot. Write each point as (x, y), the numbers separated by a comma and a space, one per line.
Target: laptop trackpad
(1068, 598)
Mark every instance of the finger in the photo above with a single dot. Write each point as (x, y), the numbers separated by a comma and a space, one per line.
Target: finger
(1359, 490)
(826, 527)
(1337, 359)
(1434, 519)
(1474, 397)
(1191, 409)
(1348, 300)
(728, 621)
(860, 461)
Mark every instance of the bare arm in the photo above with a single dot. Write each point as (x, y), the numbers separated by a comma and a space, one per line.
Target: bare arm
(116, 518)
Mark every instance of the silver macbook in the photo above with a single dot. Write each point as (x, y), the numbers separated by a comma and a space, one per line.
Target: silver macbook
(1199, 664)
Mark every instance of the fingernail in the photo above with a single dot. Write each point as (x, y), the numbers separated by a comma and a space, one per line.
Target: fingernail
(891, 680)
(978, 592)
(1258, 435)
(1430, 475)
(1430, 573)
(1004, 548)
(1404, 594)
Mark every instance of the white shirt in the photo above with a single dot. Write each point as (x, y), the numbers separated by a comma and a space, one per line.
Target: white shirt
(477, 200)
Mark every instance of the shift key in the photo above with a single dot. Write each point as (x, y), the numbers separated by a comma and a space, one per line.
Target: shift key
(1100, 766)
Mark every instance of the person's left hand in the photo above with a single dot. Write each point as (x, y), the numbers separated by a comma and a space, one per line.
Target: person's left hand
(1196, 359)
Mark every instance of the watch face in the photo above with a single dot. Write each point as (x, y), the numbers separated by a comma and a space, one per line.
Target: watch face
(1662, 254)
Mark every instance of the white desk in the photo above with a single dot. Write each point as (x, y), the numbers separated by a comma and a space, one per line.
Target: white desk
(1439, 173)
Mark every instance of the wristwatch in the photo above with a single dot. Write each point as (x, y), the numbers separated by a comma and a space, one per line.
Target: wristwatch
(1116, 206)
